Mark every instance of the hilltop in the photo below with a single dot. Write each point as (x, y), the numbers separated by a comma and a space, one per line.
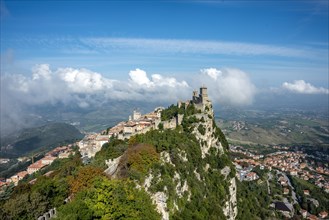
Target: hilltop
(163, 172)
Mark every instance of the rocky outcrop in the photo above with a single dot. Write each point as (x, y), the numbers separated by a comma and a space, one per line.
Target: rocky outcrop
(165, 158)
(187, 167)
(160, 199)
(112, 166)
(180, 188)
(231, 209)
(204, 131)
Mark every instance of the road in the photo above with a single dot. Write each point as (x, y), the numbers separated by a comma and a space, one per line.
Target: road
(269, 177)
(293, 194)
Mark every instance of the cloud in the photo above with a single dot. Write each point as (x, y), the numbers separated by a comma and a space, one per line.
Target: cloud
(139, 77)
(84, 80)
(86, 88)
(229, 86)
(302, 87)
(193, 46)
(83, 88)
(211, 72)
(41, 71)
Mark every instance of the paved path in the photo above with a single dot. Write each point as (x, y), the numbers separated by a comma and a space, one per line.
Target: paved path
(269, 177)
(293, 193)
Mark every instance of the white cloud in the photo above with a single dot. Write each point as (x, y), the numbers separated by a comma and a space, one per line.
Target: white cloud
(83, 80)
(194, 46)
(300, 86)
(41, 71)
(139, 77)
(212, 72)
(229, 86)
(85, 88)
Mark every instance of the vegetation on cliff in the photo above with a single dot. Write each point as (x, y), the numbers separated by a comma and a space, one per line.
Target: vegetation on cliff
(160, 162)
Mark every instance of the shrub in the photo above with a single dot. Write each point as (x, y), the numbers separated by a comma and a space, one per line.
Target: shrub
(201, 129)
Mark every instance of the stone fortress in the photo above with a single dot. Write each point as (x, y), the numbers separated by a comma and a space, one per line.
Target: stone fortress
(140, 124)
(200, 100)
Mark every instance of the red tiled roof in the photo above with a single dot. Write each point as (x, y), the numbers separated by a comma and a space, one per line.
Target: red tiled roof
(36, 165)
(22, 174)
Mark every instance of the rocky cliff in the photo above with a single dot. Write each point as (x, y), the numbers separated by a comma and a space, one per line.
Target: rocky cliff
(193, 176)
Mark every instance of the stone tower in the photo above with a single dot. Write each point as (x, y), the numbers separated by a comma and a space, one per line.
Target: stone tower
(136, 115)
(204, 95)
(195, 97)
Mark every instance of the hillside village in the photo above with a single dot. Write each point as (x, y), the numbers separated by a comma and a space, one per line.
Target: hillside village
(138, 124)
(285, 162)
(59, 152)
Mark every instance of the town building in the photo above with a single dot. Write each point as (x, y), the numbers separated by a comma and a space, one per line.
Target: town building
(34, 167)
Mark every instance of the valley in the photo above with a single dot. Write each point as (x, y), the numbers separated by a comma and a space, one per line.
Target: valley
(260, 127)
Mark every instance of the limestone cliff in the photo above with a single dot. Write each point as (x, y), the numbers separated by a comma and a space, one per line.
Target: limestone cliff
(193, 177)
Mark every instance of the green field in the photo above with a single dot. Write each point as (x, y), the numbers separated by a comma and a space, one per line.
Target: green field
(272, 128)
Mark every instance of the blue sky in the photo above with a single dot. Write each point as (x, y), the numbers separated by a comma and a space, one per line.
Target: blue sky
(273, 42)
(88, 54)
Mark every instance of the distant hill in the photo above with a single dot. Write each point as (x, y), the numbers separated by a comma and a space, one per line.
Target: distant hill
(39, 138)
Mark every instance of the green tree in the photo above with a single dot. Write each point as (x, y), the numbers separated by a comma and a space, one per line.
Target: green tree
(138, 160)
(110, 199)
(84, 178)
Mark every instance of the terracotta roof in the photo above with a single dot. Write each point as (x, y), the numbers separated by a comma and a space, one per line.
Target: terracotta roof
(22, 174)
(49, 158)
(36, 165)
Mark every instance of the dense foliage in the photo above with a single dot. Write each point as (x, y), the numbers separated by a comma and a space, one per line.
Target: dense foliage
(114, 148)
(28, 201)
(138, 160)
(253, 201)
(170, 112)
(305, 201)
(173, 110)
(110, 199)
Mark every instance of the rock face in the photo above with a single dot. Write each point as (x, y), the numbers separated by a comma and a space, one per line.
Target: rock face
(112, 166)
(231, 209)
(194, 177)
(208, 140)
(209, 143)
(205, 130)
(160, 199)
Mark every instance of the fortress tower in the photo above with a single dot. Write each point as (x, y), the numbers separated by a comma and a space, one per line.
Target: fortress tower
(204, 95)
(195, 97)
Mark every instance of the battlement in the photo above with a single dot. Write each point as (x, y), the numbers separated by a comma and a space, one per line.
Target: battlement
(202, 98)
